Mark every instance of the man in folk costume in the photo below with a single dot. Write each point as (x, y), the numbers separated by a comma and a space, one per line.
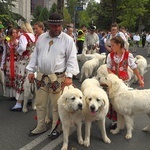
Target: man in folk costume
(91, 39)
(56, 59)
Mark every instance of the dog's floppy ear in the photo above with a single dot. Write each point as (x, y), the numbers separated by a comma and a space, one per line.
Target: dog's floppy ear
(103, 103)
(115, 85)
(66, 88)
(70, 87)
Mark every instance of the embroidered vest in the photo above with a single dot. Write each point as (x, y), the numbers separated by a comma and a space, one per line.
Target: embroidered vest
(121, 68)
(30, 45)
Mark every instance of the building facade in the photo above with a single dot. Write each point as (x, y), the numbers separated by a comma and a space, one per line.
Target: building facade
(26, 7)
(23, 8)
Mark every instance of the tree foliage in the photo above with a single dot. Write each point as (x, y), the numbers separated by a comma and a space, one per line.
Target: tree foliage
(37, 13)
(44, 14)
(132, 14)
(127, 13)
(67, 17)
(7, 16)
(53, 8)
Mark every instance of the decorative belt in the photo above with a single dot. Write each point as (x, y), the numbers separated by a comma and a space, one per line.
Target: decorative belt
(59, 73)
(41, 83)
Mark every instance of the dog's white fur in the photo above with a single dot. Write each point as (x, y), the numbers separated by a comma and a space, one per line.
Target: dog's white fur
(127, 103)
(2, 82)
(96, 108)
(102, 72)
(82, 58)
(28, 95)
(70, 105)
(141, 65)
(90, 67)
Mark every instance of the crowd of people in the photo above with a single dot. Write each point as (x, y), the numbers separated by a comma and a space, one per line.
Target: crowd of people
(54, 54)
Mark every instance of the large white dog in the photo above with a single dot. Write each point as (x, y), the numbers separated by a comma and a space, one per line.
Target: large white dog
(28, 94)
(127, 103)
(96, 108)
(70, 105)
(141, 65)
(90, 67)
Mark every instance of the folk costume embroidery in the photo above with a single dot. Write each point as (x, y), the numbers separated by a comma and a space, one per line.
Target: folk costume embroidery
(121, 68)
(11, 63)
(23, 60)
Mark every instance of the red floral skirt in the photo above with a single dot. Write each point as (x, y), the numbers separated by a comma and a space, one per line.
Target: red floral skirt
(112, 115)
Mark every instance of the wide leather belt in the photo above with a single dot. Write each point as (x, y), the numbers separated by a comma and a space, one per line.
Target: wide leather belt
(59, 73)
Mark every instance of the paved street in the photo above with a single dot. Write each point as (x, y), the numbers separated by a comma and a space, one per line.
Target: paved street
(15, 126)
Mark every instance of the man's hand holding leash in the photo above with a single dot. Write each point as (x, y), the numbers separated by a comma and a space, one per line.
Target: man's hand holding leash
(67, 82)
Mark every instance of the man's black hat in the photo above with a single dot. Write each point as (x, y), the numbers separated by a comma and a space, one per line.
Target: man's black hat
(92, 28)
(55, 18)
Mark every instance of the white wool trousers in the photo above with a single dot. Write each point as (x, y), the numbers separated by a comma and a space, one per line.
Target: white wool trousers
(45, 94)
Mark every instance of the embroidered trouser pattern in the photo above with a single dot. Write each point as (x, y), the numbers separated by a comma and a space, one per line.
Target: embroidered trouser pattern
(43, 95)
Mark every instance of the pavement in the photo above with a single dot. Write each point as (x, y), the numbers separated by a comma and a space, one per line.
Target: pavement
(15, 126)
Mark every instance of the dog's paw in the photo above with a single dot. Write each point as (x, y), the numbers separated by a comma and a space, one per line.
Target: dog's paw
(25, 110)
(80, 141)
(107, 140)
(47, 120)
(64, 148)
(114, 131)
(86, 143)
(33, 107)
(128, 136)
(146, 129)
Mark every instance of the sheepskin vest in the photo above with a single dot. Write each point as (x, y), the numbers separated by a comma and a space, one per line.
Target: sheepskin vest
(121, 68)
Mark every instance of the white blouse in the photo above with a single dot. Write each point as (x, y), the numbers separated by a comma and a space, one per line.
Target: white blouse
(56, 54)
(131, 61)
(23, 43)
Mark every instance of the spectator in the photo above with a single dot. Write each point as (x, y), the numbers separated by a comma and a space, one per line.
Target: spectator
(81, 38)
(143, 39)
(38, 29)
(102, 43)
(70, 33)
(91, 39)
(114, 32)
(136, 40)
(148, 49)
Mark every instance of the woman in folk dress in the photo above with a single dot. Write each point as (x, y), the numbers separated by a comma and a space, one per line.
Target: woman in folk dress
(26, 43)
(11, 62)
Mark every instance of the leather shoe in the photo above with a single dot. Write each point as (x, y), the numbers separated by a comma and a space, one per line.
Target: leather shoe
(15, 109)
(34, 134)
(54, 135)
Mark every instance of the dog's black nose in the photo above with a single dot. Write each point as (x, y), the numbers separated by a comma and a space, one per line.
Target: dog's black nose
(92, 107)
(80, 106)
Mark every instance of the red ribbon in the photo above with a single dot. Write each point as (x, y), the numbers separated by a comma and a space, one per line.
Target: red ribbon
(12, 71)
